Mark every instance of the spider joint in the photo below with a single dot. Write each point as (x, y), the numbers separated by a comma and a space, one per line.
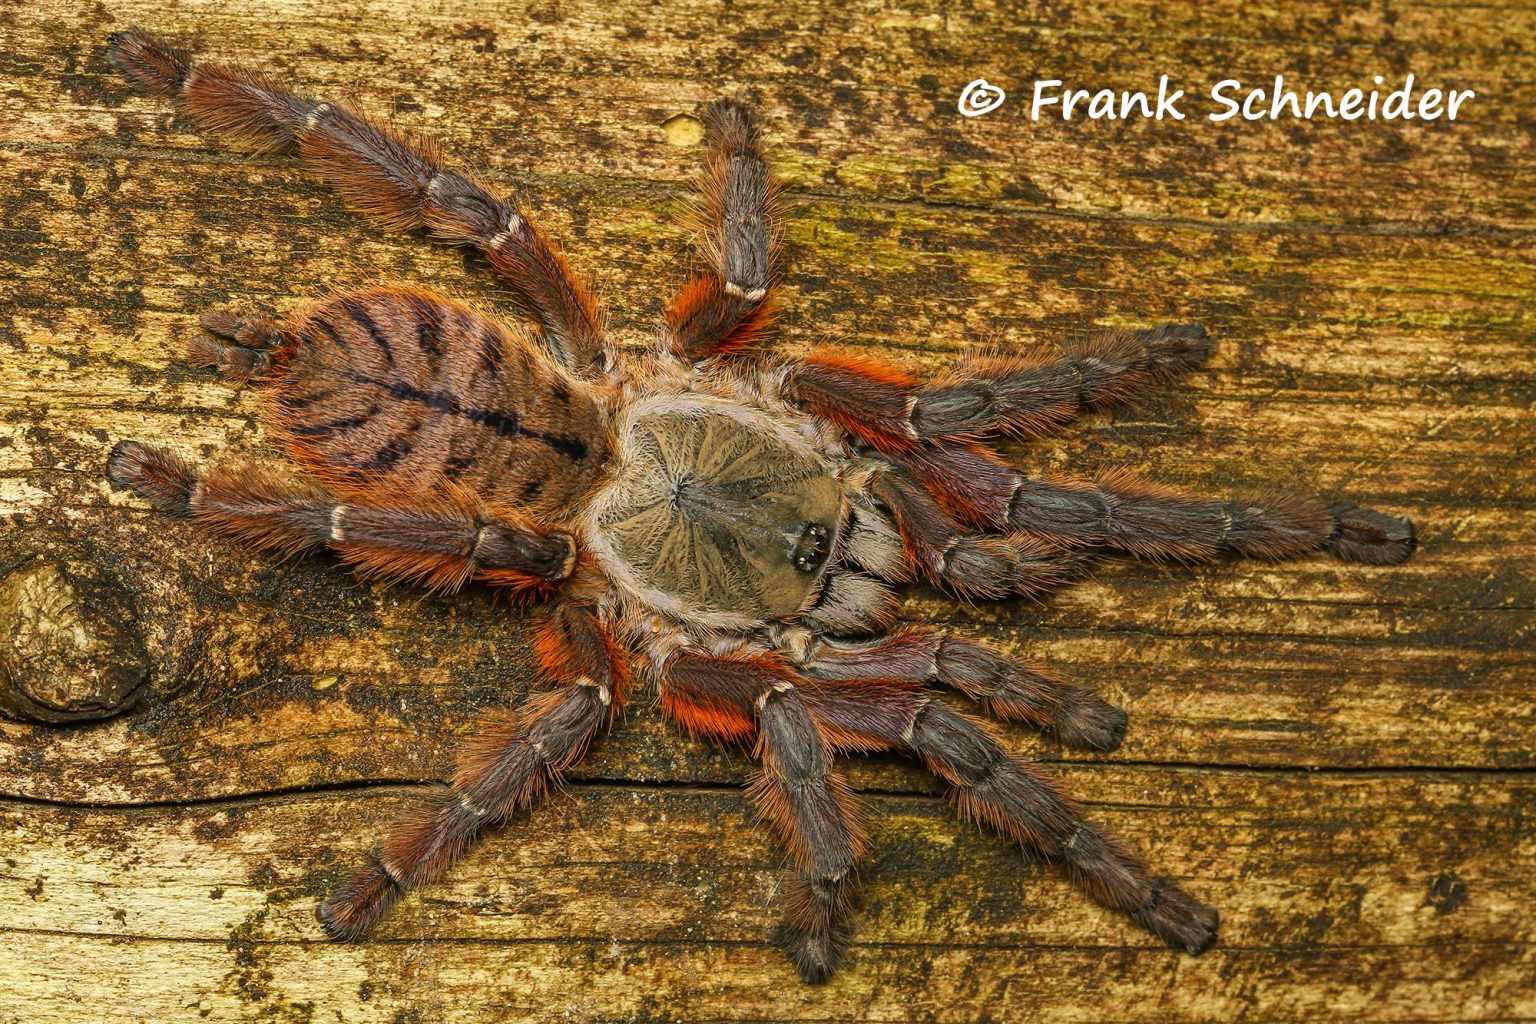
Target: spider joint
(1076, 366)
(390, 873)
(779, 686)
(743, 292)
(474, 545)
(949, 550)
(514, 225)
(910, 731)
(1013, 495)
(315, 115)
(338, 527)
(1154, 897)
(472, 807)
(1071, 844)
(603, 693)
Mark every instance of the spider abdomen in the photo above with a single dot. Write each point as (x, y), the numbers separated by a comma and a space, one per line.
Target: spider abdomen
(401, 389)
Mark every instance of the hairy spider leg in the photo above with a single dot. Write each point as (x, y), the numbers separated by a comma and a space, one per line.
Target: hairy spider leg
(972, 565)
(441, 541)
(389, 176)
(853, 604)
(1122, 512)
(1006, 688)
(994, 788)
(509, 762)
(729, 306)
(740, 695)
(933, 430)
(895, 411)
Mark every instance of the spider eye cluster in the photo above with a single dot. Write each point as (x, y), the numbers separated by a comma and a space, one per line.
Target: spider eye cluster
(812, 548)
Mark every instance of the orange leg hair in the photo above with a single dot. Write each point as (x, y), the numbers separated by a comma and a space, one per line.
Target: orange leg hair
(1021, 395)
(730, 305)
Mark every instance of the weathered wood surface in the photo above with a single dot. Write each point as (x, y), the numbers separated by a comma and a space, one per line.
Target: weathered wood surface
(1340, 758)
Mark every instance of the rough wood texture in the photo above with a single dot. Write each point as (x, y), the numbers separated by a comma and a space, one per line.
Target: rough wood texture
(1339, 757)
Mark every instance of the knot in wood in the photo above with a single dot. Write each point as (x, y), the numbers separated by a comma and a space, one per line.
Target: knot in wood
(70, 648)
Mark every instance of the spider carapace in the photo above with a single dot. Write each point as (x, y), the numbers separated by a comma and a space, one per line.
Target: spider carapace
(726, 527)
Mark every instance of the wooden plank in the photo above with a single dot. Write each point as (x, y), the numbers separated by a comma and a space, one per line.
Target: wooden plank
(1338, 757)
(569, 86)
(1345, 897)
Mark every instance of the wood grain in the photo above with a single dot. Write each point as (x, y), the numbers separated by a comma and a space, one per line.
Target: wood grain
(1338, 757)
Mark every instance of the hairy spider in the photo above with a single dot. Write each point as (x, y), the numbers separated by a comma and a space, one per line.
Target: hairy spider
(731, 524)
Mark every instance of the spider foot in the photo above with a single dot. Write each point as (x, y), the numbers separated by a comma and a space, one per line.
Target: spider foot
(815, 954)
(1087, 720)
(1362, 535)
(241, 348)
(155, 475)
(151, 65)
(356, 907)
(1173, 350)
(1177, 918)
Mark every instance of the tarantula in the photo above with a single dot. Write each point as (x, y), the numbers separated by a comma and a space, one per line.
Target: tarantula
(727, 527)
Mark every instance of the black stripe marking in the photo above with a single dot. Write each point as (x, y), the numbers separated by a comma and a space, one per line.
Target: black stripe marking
(426, 334)
(507, 424)
(335, 426)
(397, 449)
(330, 329)
(492, 352)
(294, 401)
(458, 466)
(360, 317)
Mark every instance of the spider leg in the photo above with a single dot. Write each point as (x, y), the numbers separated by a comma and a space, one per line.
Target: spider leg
(976, 566)
(809, 804)
(443, 540)
(1006, 688)
(930, 430)
(393, 178)
(728, 306)
(995, 788)
(1121, 512)
(510, 761)
(892, 410)
(853, 604)
(241, 348)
